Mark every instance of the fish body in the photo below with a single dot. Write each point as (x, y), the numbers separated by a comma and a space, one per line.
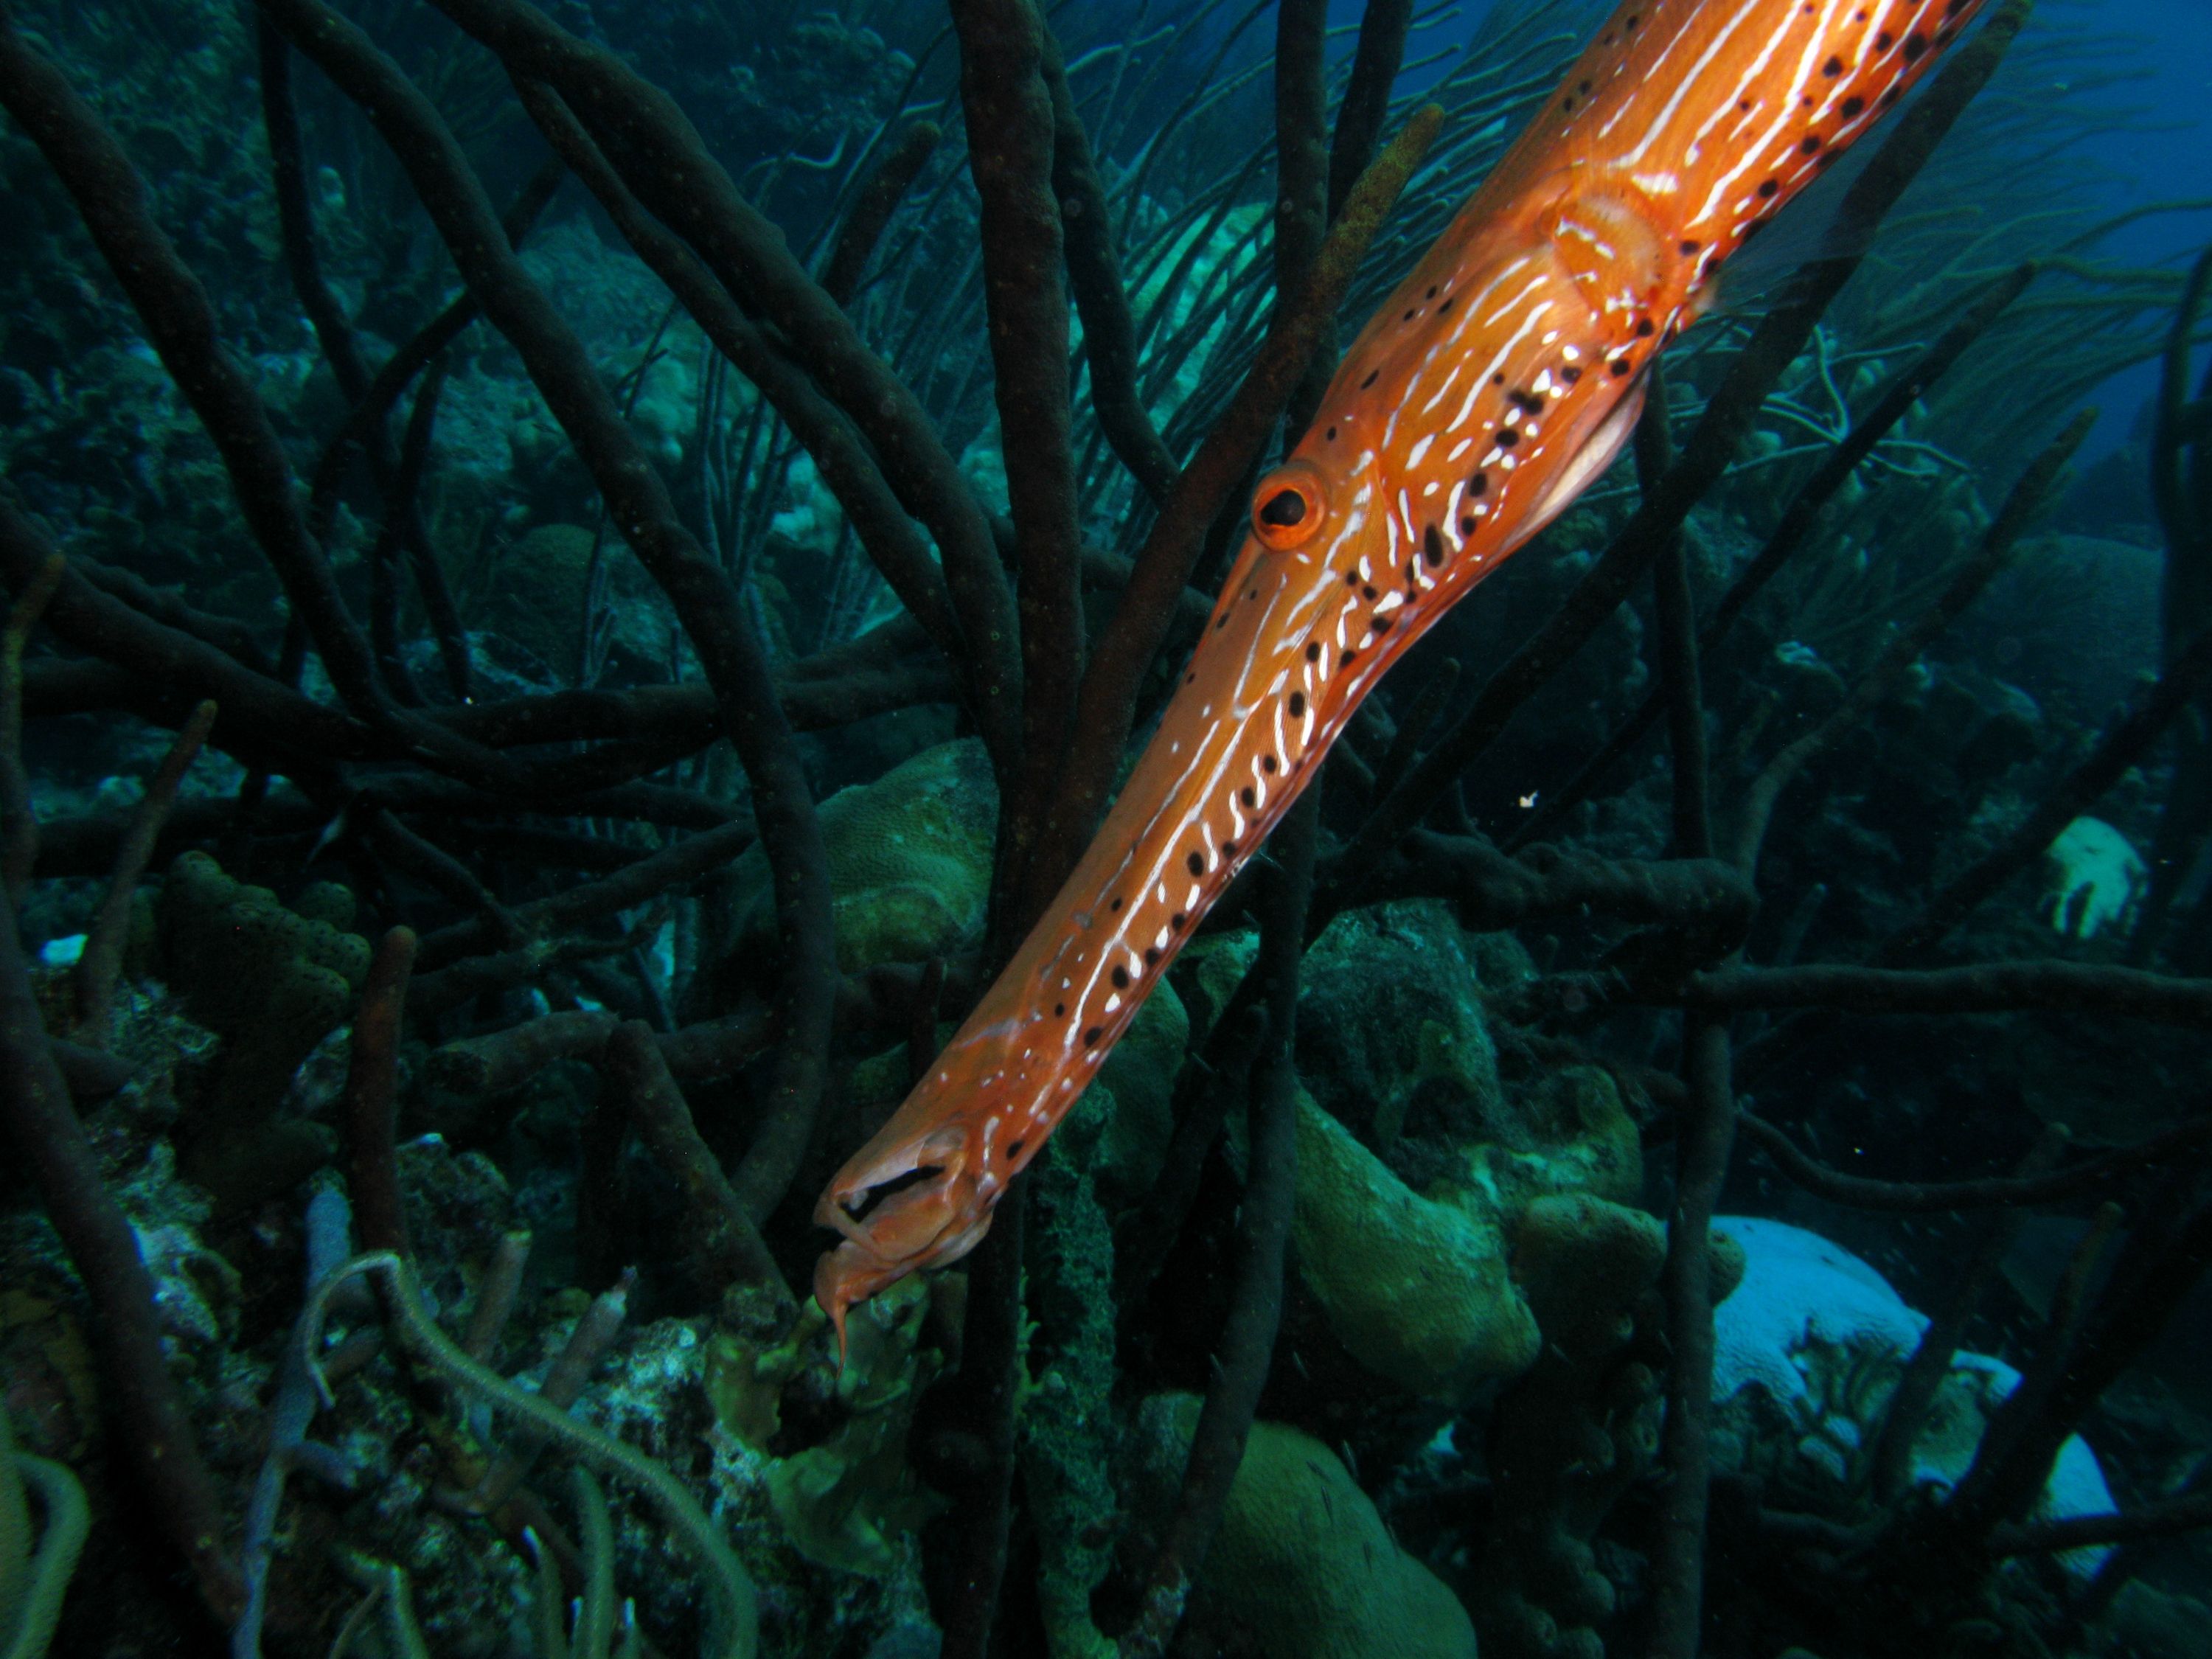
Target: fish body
(1502, 377)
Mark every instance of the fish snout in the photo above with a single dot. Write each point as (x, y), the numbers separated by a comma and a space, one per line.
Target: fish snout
(911, 1206)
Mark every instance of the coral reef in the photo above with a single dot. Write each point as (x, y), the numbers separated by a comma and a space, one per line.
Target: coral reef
(660, 530)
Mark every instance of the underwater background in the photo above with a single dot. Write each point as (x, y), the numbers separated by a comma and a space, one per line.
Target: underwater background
(576, 573)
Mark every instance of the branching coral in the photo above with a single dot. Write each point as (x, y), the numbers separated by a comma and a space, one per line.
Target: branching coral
(34, 1572)
(812, 386)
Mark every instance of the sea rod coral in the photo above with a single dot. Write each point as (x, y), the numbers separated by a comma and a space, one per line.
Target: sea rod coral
(713, 569)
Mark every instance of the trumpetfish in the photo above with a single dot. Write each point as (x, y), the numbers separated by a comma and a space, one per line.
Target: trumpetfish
(1502, 377)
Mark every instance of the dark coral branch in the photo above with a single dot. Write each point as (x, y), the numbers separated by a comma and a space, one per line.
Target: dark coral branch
(1889, 1463)
(1727, 420)
(2161, 1263)
(974, 1453)
(725, 1242)
(1993, 1192)
(1107, 704)
(1491, 891)
(1011, 135)
(2028, 500)
(373, 407)
(643, 880)
(1429, 704)
(1366, 103)
(640, 507)
(371, 1102)
(110, 932)
(897, 549)
(1302, 205)
(873, 204)
(19, 824)
(1675, 614)
(2124, 743)
(1094, 276)
(41, 1130)
(663, 161)
(180, 324)
(2167, 1519)
(1705, 1139)
(334, 333)
(1791, 533)
(1983, 989)
(1243, 1355)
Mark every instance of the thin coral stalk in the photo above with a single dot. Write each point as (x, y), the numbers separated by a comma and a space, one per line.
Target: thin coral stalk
(102, 960)
(736, 1625)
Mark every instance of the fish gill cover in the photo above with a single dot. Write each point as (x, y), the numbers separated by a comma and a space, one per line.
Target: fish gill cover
(578, 579)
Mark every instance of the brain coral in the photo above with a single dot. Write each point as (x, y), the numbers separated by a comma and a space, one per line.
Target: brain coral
(910, 862)
(1807, 1350)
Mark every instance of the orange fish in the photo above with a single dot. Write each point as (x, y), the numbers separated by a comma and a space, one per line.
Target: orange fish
(1503, 378)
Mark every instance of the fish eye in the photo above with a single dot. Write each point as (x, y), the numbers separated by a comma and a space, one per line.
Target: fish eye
(1287, 508)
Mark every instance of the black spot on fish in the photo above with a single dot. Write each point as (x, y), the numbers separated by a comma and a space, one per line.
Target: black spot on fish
(1645, 328)
(1507, 437)
(1013, 1150)
(1528, 402)
(1833, 68)
(1379, 622)
(1175, 922)
(1373, 375)
(1768, 187)
(1330, 435)
(1268, 763)
(1352, 579)
(1890, 97)
(1059, 1011)
(1195, 864)
(1916, 47)
(1584, 88)
(1313, 650)
(1348, 657)
(1368, 592)
(1498, 380)
(1121, 977)
(1229, 849)
(1810, 143)
(1249, 796)
(1479, 484)
(1884, 41)
(1618, 365)
(1447, 304)
(1689, 250)
(1152, 955)
(1432, 290)
(1407, 318)
(1432, 544)
(1853, 108)
(1115, 903)
(1298, 705)
(1091, 1037)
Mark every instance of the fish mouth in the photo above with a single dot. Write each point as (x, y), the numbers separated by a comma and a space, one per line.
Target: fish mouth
(909, 1207)
(885, 1206)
